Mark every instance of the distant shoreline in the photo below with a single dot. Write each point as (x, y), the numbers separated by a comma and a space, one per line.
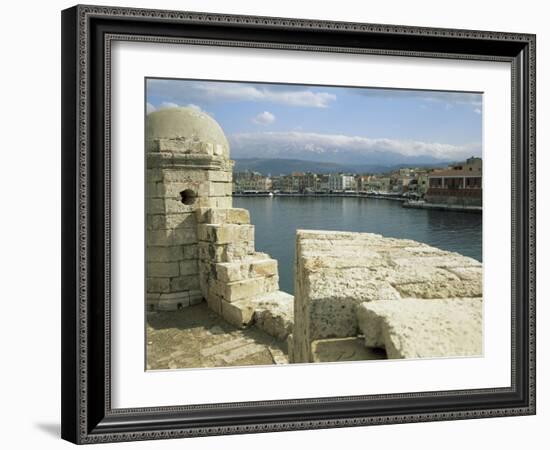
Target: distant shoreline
(324, 194)
(406, 202)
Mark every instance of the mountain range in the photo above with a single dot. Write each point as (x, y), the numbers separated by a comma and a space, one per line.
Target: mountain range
(281, 166)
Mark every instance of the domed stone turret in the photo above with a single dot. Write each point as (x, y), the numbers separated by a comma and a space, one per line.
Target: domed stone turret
(185, 130)
(188, 168)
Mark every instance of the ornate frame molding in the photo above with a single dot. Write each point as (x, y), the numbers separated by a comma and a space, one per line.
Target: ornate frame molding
(86, 66)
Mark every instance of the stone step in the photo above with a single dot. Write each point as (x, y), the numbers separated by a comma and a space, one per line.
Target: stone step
(226, 233)
(423, 328)
(272, 312)
(344, 349)
(244, 289)
(214, 216)
(217, 253)
(253, 266)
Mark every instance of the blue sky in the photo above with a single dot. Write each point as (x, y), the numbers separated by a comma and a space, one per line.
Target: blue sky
(331, 123)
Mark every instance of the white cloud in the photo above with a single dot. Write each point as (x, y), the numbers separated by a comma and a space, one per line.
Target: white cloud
(185, 91)
(193, 106)
(149, 108)
(166, 105)
(309, 145)
(468, 98)
(291, 97)
(264, 118)
(448, 99)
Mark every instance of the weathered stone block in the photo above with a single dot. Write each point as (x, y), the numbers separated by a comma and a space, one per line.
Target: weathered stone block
(215, 202)
(227, 216)
(174, 189)
(274, 313)
(221, 189)
(184, 283)
(173, 301)
(445, 289)
(154, 190)
(251, 267)
(225, 252)
(468, 273)
(264, 268)
(337, 271)
(163, 269)
(220, 175)
(215, 189)
(154, 175)
(176, 206)
(416, 328)
(290, 348)
(168, 238)
(447, 260)
(152, 301)
(189, 267)
(202, 215)
(155, 206)
(155, 160)
(239, 314)
(173, 145)
(182, 175)
(190, 251)
(204, 282)
(171, 221)
(249, 288)
(343, 349)
(158, 285)
(226, 233)
(165, 254)
(214, 303)
(195, 297)
(203, 232)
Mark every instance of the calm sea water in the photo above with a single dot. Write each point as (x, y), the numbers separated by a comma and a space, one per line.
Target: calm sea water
(276, 220)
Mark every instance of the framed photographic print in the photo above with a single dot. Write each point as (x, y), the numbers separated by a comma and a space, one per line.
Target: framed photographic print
(268, 222)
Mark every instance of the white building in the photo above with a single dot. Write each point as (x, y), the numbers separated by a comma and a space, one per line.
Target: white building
(341, 182)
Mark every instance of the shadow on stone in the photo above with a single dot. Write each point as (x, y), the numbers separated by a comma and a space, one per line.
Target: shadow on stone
(196, 337)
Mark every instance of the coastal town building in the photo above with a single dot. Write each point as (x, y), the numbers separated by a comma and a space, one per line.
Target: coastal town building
(251, 181)
(460, 184)
(457, 184)
(341, 182)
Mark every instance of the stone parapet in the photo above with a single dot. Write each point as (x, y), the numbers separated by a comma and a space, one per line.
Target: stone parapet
(419, 328)
(336, 273)
(240, 284)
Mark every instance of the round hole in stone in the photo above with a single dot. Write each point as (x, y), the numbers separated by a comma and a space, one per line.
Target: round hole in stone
(188, 196)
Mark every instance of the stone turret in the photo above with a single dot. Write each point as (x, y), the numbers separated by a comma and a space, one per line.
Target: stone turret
(198, 246)
(188, 167)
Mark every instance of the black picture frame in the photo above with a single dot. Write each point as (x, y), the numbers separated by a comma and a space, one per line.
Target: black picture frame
(87, 33)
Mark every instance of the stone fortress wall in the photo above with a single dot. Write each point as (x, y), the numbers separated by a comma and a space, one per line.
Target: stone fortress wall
(358, 295)
(357, 292)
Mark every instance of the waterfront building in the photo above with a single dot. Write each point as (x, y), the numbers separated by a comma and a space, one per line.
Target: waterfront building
(460, 184)
(251, 181)
(322, 182)
(379, 183)
(341, 182)
(362, 182)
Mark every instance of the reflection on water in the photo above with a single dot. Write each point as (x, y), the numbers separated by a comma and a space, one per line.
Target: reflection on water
(277, 219)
